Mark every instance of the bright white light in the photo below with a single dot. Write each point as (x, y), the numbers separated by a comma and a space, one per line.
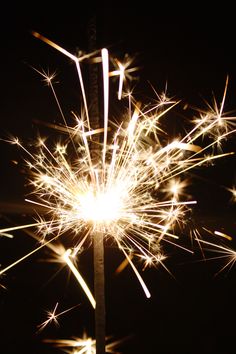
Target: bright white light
(103, 207)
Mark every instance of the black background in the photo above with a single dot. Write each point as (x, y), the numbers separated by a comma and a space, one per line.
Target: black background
(192, 49)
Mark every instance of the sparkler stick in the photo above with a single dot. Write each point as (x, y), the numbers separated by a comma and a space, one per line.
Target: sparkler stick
(98, 245)
(99, 284)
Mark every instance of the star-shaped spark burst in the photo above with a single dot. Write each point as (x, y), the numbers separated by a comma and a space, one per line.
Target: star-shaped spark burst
(52, 317)
(224, 252)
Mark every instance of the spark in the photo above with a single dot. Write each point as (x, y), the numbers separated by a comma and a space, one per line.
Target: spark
(85, 345)
(225, 252)
(6, 235)
(124, 71)
(2, 271)
(233, 194)
(81, 281)
(175, 188)
(52, 316)
(61, 255)
(2, 286)
(214, 122)
(222, 234)
(136, 193)
(66, 256)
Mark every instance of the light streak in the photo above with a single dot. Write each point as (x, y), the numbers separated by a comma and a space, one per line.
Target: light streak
(123, 71)
(81, 281)
(6, 235)
(225, 252)
(105, 61)
(2, 271)
(222, 234)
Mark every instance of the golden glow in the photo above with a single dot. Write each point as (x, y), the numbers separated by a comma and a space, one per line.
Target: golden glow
(104, 207)
(84, 345)
(136, 192)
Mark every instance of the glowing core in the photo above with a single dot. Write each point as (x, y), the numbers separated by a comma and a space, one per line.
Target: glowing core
(100, 207)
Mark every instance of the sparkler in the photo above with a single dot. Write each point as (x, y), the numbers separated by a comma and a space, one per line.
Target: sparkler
(136, 192)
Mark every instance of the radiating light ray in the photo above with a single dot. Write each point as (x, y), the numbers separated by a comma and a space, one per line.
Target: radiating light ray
(2, 271)
(49, 79)
(122, 75)
(20, 227)
(146, 291)
(81, 281)
(62, 255)
(214, 122)
(225, 252)
(51, 317)
(195, 236)
(75, 59)
(123, 71)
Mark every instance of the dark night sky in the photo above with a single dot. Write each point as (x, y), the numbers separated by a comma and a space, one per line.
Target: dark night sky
(193, 50)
